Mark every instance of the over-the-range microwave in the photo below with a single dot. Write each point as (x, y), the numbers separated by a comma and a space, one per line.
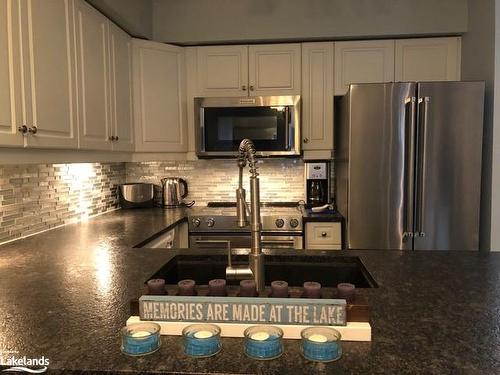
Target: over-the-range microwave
(271, 122)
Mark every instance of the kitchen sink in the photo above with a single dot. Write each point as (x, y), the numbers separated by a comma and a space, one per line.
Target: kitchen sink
(296, 269)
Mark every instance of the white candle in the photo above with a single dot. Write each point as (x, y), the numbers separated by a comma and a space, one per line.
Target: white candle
(318, 338)
(260, 336)
(203, 334)
(141, 334)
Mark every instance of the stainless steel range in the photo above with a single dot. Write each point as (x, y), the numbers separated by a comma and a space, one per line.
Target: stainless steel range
(213, 226)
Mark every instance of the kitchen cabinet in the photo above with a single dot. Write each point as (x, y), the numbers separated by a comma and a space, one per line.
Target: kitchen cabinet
(363, 62)
(120, 45)
(46, 47)
(274, 69)
(428, 59)
(10, 90)
(222, 70)
(271, 69)
(93, 78)
(317, 96)
(159, 97)
(323, 236)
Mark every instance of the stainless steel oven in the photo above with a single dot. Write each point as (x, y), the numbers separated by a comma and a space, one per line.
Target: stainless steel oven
(209, 241)
(271, 122)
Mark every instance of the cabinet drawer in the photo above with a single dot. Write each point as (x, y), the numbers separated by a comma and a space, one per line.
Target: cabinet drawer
(323, 235)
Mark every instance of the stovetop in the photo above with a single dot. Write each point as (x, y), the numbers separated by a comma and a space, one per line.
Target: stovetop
(221, 217)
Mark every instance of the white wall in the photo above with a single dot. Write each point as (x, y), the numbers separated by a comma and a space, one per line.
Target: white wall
(134, 16)
(478, 63)
(216, 21)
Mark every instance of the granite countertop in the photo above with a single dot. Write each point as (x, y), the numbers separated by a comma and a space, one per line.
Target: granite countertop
(65, 295)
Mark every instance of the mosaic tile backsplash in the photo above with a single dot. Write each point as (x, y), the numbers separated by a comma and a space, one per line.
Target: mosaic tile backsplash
(216, 180)
(34, 198)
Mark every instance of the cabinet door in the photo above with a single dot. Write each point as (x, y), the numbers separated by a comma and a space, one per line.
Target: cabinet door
(363, 62)
(121, 88)
(428, 59)
(48, 66)
(159, 97)
(94, 79)
(10, 99)
(274, 69)
(317, 96)
(223, 71)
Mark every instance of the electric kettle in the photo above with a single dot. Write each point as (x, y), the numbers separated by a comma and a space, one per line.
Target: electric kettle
(174, 190)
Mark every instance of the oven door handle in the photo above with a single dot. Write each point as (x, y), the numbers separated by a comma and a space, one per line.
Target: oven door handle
(278, 242)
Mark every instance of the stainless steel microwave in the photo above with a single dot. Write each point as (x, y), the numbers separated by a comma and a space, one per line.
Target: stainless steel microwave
(271, 122)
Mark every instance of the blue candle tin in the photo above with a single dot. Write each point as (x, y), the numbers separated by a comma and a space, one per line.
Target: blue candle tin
(263, 342)
(321, 344)
(140, 339)
(201, 340)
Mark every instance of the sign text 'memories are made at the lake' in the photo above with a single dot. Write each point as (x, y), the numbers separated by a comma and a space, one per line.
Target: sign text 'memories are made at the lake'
(243, 310)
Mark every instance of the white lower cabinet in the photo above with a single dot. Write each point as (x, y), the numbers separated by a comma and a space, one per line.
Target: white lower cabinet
(323, 236)
(159, 97)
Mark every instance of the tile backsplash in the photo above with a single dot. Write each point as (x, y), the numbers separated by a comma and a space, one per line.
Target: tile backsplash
(37, 197)
(216, 180)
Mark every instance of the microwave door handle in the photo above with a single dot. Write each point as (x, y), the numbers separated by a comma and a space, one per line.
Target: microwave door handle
(287, 128)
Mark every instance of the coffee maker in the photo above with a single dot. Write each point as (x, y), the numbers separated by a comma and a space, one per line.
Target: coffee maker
(317, 183)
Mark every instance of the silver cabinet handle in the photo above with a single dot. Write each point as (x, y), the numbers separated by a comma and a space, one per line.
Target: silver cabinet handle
(33, 129)
(323, 234)
(244, 88)
(306, 140)
(409, 170)
(22, 129)
(424, 102)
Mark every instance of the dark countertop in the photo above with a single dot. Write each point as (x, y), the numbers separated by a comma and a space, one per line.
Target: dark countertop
(65, 295)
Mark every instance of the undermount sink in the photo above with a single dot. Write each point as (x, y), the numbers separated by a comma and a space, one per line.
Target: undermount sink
(296, 269)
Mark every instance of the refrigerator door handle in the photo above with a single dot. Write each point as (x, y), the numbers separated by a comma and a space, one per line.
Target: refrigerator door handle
(410, 118)
(424, 103)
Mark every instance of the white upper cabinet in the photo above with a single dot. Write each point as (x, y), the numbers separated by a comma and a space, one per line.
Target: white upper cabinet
(159, 97)
(93, 78)
(222, 71)
(10, 90)
(120, 44)
(48, 73)
(268, 69)
(428, 59)
(317, 96)
(363, 62)
(274, 69)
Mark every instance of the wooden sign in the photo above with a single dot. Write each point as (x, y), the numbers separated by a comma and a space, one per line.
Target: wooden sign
(288, 311)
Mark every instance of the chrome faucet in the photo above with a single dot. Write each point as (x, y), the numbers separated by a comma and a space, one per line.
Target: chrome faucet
(255, 269)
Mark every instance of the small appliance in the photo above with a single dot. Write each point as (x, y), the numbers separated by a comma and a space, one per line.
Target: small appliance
(272, 122)
(136, 195)
(175, 189)
(317, 183)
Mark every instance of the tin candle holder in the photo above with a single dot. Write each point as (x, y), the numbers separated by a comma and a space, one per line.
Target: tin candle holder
(201, 340)
(321, 344)
(140, 339)
(263, 342)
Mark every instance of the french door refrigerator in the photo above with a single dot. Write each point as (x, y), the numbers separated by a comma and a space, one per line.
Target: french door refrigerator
(408, 165)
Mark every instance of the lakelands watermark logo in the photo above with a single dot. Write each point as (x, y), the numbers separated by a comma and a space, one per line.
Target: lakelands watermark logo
(16, 363)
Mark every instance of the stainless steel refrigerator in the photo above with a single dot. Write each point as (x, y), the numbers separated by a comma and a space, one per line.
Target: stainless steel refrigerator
(408, 165)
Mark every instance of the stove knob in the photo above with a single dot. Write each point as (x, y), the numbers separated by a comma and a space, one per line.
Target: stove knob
(196, 222)
(294, 223)
(210, 222)
(279, 223)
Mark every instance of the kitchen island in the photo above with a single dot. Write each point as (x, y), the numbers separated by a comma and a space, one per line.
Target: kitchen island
(65, 295)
